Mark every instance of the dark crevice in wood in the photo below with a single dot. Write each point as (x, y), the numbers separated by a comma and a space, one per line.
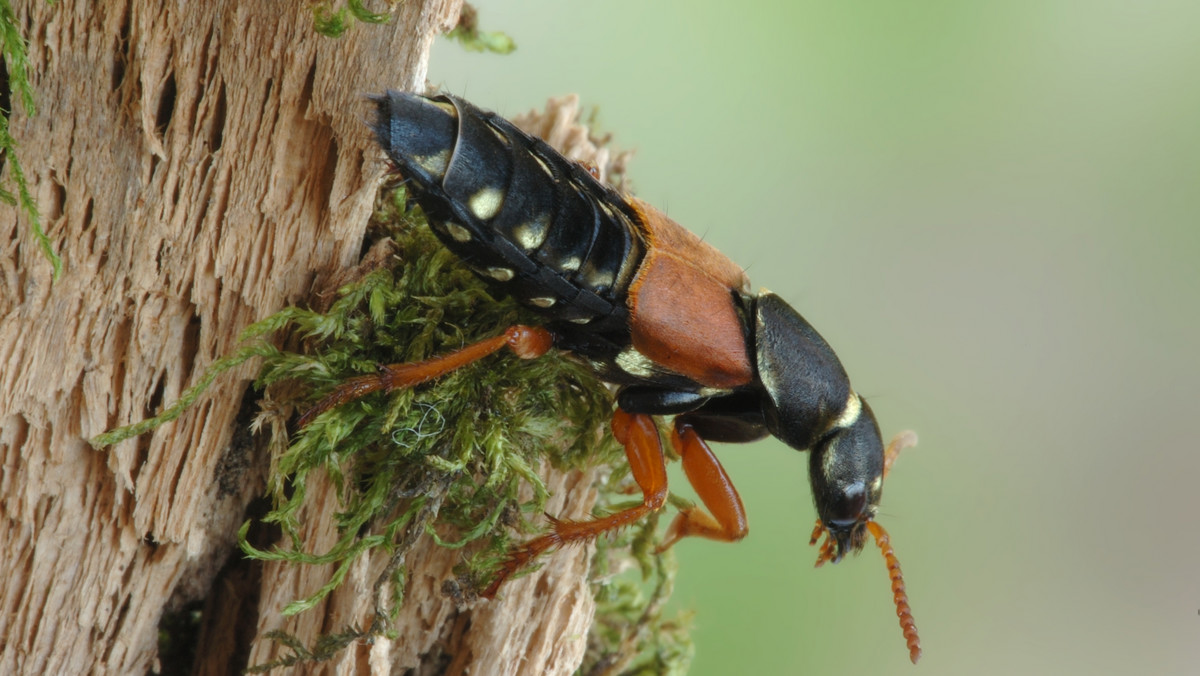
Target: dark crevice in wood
(191, 346)
(122, 56)
(217, 128)
(166, 105)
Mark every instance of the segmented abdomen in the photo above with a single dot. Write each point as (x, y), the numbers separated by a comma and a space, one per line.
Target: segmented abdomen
(514, 209)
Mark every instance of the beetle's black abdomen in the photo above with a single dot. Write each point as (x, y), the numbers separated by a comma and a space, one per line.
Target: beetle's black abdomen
(514, 209)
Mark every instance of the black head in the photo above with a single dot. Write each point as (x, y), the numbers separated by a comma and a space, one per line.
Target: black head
(808, 404)
(846, 470)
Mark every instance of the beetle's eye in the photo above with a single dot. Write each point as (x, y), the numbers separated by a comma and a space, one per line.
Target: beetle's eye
(849, 506)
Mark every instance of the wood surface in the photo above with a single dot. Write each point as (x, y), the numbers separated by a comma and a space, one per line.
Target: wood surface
(199, 165)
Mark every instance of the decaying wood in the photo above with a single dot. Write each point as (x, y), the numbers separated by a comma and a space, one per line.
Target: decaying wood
(199, 165)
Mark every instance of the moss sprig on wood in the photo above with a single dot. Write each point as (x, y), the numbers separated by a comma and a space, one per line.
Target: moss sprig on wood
(468, 34)
(333, 22)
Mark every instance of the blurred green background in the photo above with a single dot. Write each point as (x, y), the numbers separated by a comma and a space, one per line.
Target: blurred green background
(992, 211)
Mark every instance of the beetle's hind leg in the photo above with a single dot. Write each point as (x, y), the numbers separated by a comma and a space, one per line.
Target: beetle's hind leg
(643, 447)
(528, 342)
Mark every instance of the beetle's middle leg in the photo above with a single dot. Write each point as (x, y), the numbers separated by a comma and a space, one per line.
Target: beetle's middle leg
(643, 448)
(726, 517)
(528, 342)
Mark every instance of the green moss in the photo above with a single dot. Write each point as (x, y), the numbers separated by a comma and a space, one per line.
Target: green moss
(468, 35)
(334, 22)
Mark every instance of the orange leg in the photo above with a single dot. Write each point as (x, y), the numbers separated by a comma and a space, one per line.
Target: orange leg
(643, 448)
(528, 342)
(727, 523)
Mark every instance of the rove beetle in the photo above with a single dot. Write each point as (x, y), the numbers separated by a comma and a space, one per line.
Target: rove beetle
(656, 311)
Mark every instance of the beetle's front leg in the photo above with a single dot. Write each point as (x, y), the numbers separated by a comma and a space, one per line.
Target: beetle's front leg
(727, 521)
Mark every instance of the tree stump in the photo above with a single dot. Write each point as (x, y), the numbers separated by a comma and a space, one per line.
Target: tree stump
(198, 166)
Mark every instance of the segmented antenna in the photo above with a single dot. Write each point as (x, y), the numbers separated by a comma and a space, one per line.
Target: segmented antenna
(903, 440)
(903, 611)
